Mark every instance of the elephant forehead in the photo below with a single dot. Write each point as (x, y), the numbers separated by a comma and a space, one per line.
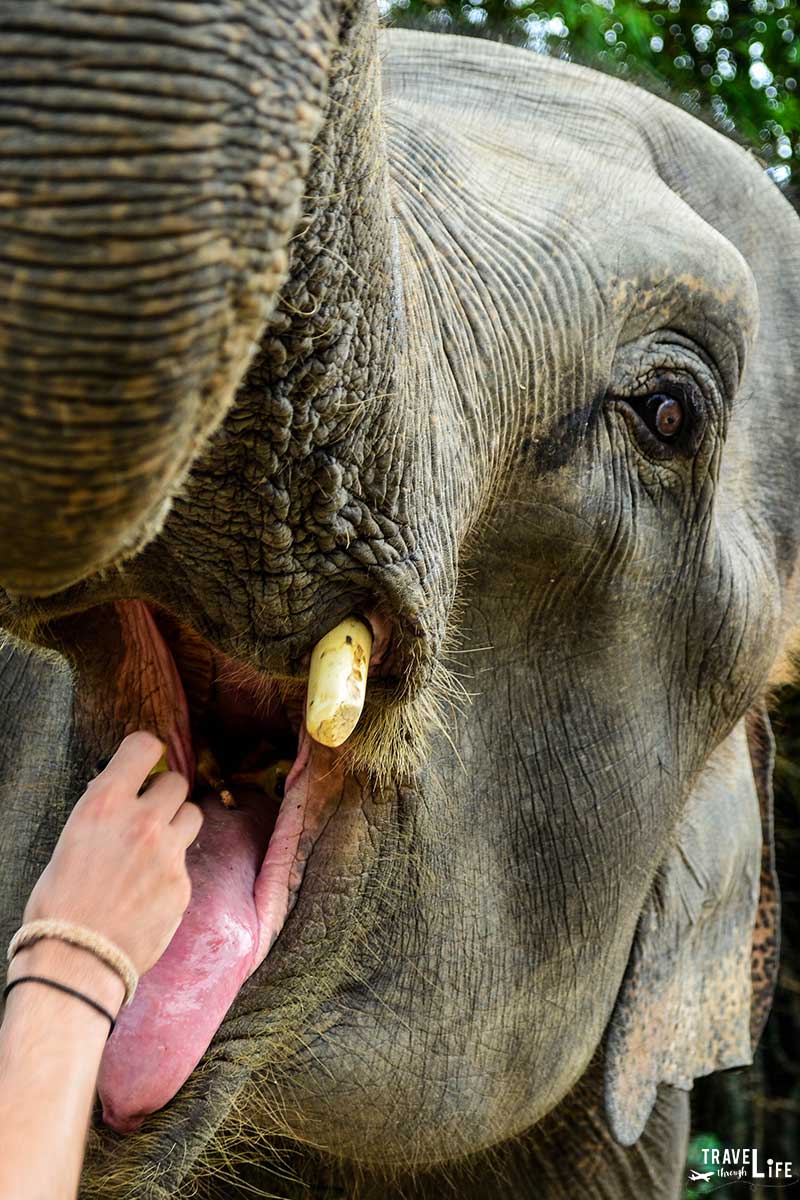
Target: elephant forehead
(662, 266)
(572, 162)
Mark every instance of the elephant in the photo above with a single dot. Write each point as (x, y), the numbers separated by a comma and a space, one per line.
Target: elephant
(305, 320)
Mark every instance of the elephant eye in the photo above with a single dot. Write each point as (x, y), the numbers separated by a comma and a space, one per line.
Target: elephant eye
(668, 422)
(666, 416)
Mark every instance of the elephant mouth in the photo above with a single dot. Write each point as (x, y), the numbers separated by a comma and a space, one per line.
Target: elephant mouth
(268, 791)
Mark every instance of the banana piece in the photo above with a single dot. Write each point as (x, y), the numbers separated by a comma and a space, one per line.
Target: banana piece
(337, 682)
(208, 770)
(160, 766)
(269, 779)
(158, 769)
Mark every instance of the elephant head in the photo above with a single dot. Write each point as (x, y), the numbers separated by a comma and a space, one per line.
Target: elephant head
(493, 352)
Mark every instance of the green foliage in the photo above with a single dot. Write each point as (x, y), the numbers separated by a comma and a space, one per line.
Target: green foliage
(741, 61)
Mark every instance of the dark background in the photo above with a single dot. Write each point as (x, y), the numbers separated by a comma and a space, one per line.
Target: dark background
(736, 65)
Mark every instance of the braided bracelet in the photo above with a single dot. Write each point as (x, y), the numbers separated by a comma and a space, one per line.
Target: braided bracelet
(67, 990)
(86, 939)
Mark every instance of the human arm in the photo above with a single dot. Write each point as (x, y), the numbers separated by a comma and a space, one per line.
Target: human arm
(50, 1050)
(119, 869)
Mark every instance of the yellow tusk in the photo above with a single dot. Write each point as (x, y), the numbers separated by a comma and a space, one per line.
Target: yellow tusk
(337, 682)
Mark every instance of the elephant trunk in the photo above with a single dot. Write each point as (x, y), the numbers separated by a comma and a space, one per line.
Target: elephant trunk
(151, 171)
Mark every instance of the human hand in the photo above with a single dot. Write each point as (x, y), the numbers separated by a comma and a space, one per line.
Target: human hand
(119, 867)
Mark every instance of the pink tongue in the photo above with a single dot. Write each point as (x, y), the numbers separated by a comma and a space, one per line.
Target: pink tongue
(180, 1003)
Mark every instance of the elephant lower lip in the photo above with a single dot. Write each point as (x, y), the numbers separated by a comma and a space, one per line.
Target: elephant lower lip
(247, 864)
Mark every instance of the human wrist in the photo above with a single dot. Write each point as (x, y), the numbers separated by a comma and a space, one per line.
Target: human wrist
(73, 966)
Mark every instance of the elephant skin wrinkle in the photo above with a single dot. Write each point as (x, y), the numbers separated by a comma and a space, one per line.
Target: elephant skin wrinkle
(335, 322)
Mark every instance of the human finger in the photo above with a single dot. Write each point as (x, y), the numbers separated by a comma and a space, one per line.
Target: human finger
(187, 823)
(133, 761)
(166, 793)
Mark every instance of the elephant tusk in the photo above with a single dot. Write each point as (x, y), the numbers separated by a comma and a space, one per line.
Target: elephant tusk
(337, 682)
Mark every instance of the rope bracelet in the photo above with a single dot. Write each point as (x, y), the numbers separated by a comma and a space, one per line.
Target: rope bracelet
(85, 939)
(67, 990)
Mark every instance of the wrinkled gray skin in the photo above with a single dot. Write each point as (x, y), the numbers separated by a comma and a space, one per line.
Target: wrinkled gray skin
(389, 351)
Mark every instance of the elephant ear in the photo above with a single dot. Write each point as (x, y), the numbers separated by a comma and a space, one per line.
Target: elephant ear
(702, 969)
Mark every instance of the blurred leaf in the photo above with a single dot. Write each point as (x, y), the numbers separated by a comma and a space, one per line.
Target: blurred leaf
(737, 59)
